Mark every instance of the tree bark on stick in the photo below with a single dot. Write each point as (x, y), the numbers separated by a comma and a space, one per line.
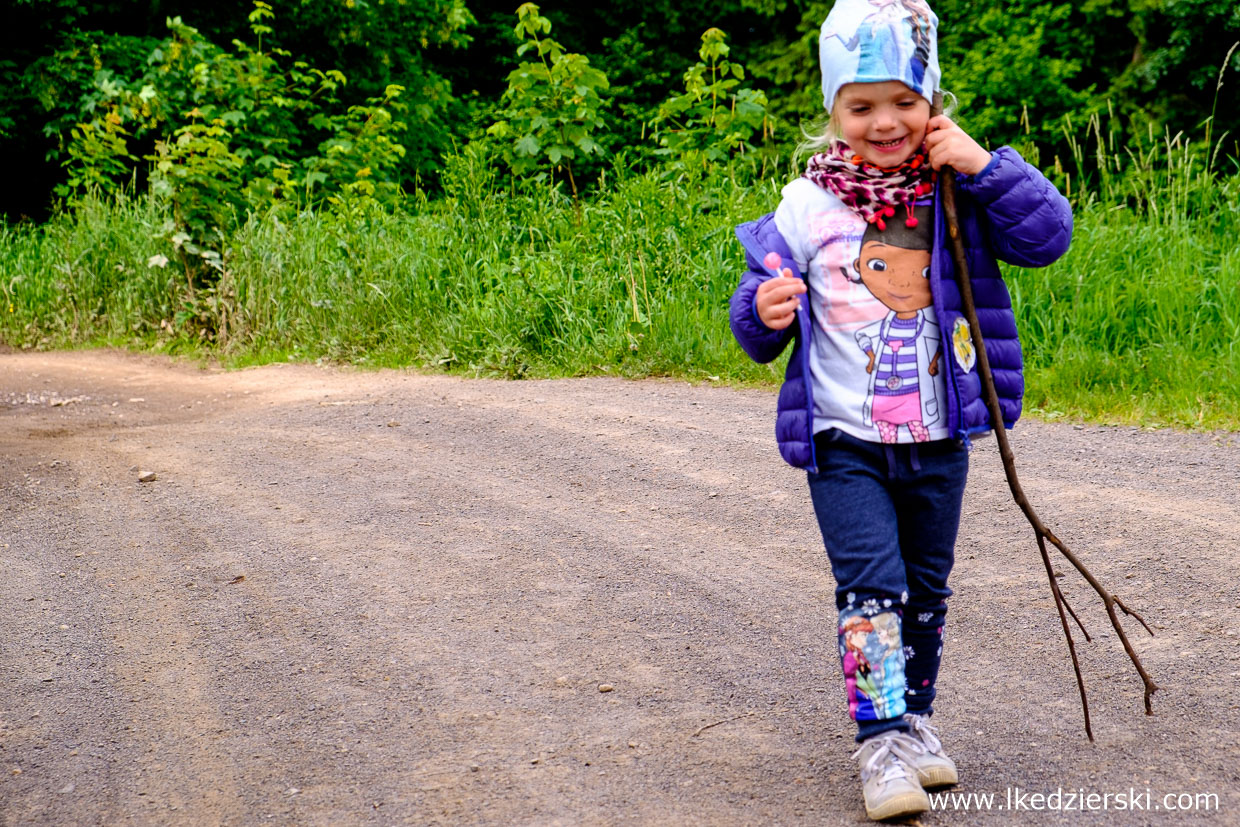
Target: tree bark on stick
(947, 180)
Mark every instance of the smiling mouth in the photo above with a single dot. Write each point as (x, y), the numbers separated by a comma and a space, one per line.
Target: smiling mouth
(892, 144)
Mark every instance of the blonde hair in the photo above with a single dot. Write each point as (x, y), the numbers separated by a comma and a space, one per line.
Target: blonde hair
(816, 136)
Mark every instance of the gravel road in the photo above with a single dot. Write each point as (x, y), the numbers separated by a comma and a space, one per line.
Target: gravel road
(383, 598)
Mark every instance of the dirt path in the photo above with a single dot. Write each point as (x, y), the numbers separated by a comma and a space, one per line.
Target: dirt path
(383, 598)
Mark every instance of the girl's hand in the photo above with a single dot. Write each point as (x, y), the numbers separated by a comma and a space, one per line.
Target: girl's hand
(949, 145)
(778, 299)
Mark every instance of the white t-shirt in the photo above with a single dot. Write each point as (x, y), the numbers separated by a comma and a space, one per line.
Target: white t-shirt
(874, 355)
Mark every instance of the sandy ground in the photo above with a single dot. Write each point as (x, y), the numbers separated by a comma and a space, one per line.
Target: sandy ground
(386, 598)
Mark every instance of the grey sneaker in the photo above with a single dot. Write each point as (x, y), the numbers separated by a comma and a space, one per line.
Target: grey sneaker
(934, 768)
(888, 779)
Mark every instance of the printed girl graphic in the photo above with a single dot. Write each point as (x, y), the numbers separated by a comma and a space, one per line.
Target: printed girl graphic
(895, 41)
(843, 303)
(903, 346)
(873, 665)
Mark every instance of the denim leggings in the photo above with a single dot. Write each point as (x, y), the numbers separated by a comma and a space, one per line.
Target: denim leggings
(889, 516)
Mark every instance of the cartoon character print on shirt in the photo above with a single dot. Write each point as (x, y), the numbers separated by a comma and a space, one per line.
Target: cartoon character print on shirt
(873, 660)
(898, 42)
(903, 346)
(845, 304)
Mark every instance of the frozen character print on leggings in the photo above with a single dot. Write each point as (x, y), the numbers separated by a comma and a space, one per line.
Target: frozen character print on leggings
(873, 657)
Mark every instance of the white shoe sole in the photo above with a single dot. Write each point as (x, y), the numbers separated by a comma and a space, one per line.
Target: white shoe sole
(906, 804)
(938, 777)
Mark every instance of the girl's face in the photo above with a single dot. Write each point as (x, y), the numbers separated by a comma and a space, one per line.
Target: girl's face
(884, 123)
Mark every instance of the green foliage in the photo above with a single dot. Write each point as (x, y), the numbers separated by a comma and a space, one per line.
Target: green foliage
(1137, 323)
(551, 107)
(1179, 48)
(200, 175)
(716, 117)
(81, 77)
(362, 153)
(407, 43)
(987, 62)
(238, 130)
(86, 276)
(640, 73)
(55, 56)
(98, 153)
(1017, 68)
(225, 134)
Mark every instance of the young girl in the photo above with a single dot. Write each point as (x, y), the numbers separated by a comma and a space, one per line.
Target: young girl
(881, 395)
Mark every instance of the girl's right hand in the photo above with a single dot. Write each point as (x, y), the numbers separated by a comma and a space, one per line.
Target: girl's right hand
(778, 300)
(949, 145)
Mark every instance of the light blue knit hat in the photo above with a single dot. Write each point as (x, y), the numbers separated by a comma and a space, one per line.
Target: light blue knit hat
(870, 41)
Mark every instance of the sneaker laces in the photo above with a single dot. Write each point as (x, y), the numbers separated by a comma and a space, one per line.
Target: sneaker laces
(928, 733)
(891, 758)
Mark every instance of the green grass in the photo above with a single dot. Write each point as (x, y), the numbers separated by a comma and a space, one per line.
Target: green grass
(1138, 324)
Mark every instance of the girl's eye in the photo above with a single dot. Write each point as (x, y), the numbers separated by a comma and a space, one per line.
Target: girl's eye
(925, 272)
(877, 264)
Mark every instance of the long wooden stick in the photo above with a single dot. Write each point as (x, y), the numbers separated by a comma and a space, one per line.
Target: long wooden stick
(947, 180)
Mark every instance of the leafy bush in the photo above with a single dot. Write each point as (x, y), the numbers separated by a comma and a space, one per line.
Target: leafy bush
(53, 52)
(551, 107)
(235, 131)
(715, 118)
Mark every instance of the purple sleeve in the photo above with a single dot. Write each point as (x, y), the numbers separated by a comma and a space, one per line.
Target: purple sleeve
(759, 341)
(1028, 222)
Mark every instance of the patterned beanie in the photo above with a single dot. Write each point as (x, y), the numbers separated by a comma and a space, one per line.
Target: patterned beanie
(871, 41)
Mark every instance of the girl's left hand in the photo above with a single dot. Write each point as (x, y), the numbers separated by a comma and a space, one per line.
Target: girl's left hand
(949, 145)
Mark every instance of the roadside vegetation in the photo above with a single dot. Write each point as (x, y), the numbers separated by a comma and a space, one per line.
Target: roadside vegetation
(237, 204)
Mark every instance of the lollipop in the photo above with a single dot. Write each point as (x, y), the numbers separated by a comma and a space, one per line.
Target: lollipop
(772, 260)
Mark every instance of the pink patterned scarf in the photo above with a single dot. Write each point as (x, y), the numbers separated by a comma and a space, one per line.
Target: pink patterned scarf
(872, 192)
